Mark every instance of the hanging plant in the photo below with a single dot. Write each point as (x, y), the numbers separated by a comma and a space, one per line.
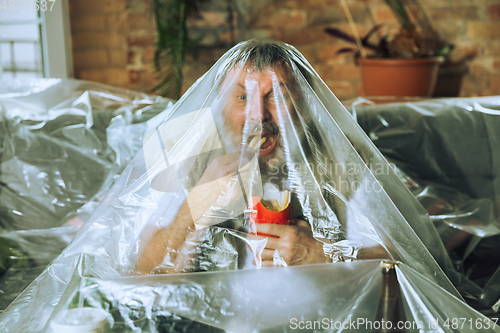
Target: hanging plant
(172, 43)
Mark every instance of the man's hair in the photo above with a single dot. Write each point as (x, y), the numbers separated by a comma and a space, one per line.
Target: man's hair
(265, 53)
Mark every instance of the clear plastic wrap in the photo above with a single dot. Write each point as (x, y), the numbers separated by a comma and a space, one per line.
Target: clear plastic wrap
(61, 147)
(341, 297)
(258, 165)
(62, 142)
(446, 152)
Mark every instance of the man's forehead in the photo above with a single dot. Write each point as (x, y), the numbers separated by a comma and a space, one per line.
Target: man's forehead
(241, 74)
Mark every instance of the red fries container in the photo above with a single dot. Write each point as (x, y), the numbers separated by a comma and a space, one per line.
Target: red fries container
(261, 214)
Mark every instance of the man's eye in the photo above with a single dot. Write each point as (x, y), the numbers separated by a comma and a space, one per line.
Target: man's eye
(276, 98)
(242, 97)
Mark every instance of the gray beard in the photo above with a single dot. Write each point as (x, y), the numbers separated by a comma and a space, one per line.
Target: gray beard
(272, 169)
(266, 165)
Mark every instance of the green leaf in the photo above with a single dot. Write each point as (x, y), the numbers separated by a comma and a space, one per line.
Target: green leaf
(170, 16)
(445, 50)
(400, 13)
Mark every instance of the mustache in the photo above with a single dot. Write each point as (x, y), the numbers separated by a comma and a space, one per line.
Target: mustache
(271, 128)
(265, 127)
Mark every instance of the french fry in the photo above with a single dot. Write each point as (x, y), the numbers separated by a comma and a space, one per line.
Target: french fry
(286, 198)
(276, 205)
(256, 143)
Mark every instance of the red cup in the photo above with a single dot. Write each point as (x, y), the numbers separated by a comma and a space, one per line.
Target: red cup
(261, 214)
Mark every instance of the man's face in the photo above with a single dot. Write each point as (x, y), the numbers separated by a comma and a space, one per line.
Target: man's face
(259, 104)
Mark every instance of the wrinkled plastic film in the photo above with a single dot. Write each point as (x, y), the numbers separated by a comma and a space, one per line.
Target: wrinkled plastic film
(258, 300)
(259, 128)
(445, 153)
(320, 177)
(61, 147)
(55, 153)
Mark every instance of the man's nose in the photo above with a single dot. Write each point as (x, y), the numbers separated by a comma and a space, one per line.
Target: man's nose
(258, 110)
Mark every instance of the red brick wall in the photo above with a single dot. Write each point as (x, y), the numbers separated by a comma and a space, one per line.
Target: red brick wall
(113, 40)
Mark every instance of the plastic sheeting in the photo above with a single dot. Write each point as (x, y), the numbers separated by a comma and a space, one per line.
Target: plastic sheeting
(447, 153)
(61, 147)
(258, 138)
(299, 298)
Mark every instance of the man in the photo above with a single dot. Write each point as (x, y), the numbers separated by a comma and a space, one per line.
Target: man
(259, 96)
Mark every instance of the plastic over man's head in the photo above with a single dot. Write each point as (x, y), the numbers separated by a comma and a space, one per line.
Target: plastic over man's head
(261, 97)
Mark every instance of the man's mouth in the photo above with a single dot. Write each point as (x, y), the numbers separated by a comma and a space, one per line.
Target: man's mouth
(265, 145)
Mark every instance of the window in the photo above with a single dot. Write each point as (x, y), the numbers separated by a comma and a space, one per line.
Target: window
(34, 42)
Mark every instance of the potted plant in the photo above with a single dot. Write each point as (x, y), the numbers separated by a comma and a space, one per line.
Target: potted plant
(406, 64)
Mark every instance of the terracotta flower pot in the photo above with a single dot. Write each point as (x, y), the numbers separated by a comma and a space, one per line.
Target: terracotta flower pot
(399, 77)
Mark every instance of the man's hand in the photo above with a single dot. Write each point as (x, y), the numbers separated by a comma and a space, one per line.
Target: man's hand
(215, 188)
(295, 244)
(219, 185)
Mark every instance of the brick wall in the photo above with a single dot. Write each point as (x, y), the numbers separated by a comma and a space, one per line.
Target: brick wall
(113, 40)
